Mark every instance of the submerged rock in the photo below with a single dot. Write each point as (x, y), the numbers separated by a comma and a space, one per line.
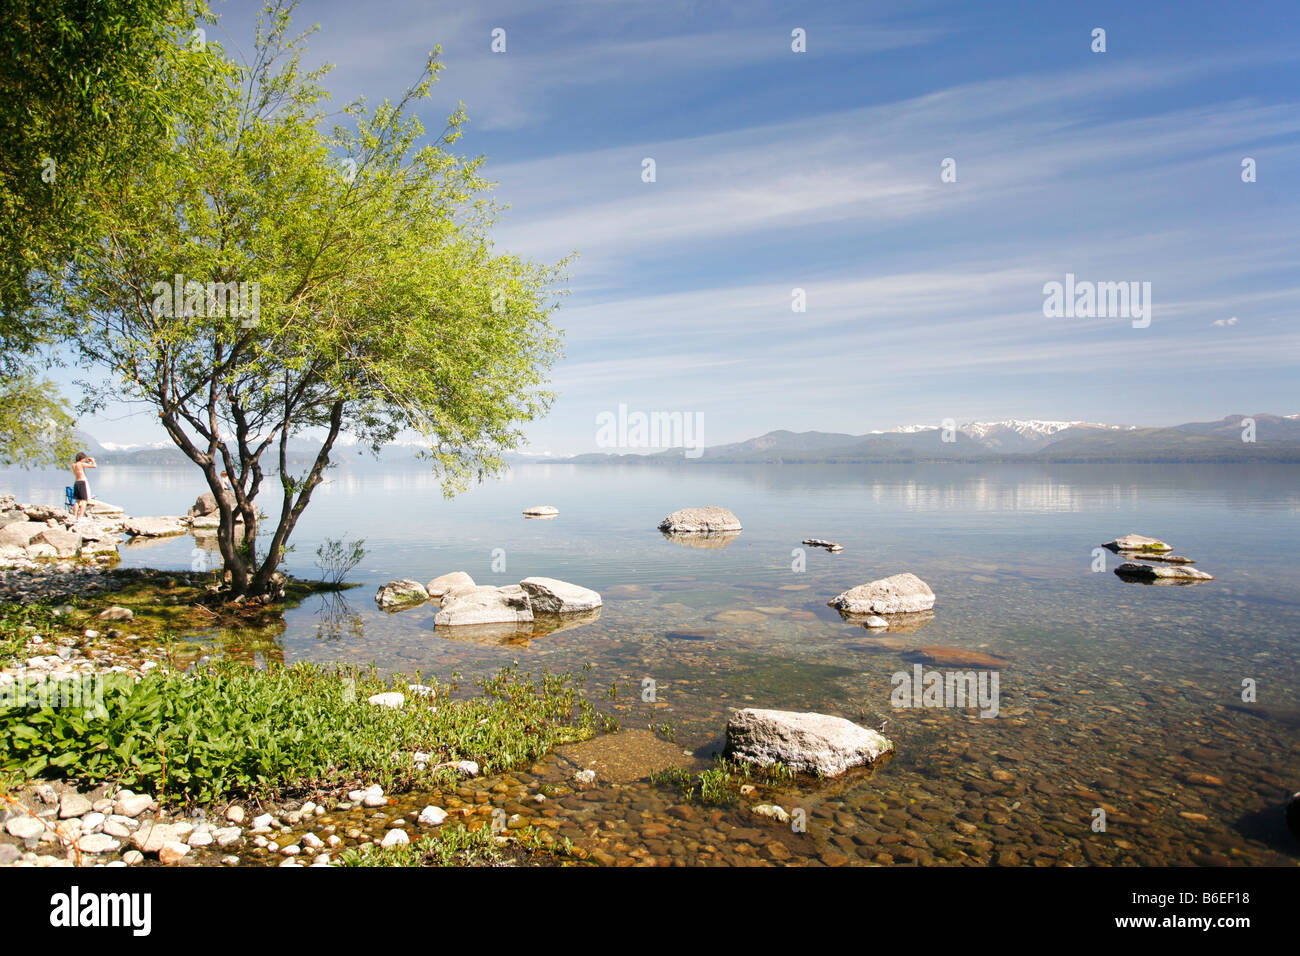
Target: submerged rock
(707, 520)
(1137, 542)
(1132, 570)
(550, 596)
(898, 594)
(400, 594)
(945, 656)
(485, 605)
(804, 742)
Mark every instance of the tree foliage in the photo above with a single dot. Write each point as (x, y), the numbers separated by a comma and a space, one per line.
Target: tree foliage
(376, 302)
(86, 88)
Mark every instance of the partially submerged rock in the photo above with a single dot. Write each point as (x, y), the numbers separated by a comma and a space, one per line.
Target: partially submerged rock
(1137, 542)
(154, 527)
(485, 605)
(1163, 558)
(804, 742)
(447, 582)
(1179, 574)
(541, 511)
(819, 543)
(898, 594)
(550, 596)
(405, 593)
(708, 520)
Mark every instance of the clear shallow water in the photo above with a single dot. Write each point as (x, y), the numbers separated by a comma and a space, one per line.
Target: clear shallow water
(1115, 694)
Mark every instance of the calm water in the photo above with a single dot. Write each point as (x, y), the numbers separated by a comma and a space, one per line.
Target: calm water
(1118, 696)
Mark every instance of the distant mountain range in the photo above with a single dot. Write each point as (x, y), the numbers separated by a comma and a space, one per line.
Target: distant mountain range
(1275, 438)
(301, 452)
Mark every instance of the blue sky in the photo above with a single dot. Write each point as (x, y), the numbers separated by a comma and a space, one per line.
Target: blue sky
(820, 170)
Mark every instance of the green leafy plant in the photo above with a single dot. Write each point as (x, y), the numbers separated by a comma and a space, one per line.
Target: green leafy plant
(337, 556)
(231, 730)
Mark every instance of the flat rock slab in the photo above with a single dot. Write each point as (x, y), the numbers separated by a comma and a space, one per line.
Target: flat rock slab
(485, 605)
(22, 533)
(1163, 558)
(944, 656)
(541, 511)
(708, 520)
(1137, 542)
(898, 594)
(447, 582)
(1152, 572)
(154, 527)
(805, 742)
(550, 596)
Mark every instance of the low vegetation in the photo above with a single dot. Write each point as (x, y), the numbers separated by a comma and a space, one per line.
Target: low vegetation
(227, 730)
(460, 845)
(720, 785)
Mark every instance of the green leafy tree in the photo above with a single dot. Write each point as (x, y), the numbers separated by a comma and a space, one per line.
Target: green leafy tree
(35, 427)
(86, 90)
(266, 279)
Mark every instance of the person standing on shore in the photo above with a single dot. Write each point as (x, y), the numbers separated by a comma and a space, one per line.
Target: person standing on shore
(81, 487)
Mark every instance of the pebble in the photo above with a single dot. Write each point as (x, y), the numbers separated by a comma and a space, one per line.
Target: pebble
(73, 804)
(133, 805)
(395, 838)
(432, 816)
(24, 827)
(173, 852)
(97, 843)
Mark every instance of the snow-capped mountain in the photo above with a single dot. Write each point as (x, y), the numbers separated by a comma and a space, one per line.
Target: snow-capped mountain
(1011, 435)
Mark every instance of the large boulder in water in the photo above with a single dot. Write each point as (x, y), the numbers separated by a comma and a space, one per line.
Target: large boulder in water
(206, 503)
(709, 520)
(898, 594)
(484, 605)
(549, 596)
(804, 742)
(401, 594)
(448, 582)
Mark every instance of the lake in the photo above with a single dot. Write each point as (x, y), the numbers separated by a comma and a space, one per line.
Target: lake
(1117, 697)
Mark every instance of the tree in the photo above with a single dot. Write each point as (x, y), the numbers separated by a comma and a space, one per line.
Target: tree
(264, 279)
(85, 90)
